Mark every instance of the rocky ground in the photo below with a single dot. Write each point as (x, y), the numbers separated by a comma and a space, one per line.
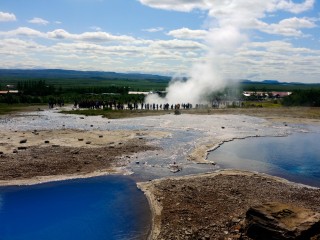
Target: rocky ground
(213, 206)
(59, 160)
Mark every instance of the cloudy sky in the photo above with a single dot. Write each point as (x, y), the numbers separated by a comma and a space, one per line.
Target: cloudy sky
(279, 38)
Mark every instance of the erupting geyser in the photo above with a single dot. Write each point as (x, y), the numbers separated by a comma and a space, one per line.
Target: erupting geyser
(230, 21)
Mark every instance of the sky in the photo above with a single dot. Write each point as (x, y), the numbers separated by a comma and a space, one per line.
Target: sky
(274, 39)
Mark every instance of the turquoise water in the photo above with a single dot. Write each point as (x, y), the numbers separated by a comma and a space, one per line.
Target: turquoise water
(108, 208)
(296, 157)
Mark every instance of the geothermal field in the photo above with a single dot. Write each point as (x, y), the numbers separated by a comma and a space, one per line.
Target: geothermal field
(189, 195)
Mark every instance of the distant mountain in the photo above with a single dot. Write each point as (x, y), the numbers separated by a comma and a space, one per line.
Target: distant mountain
(270, 81)
(100, 75)
(59, 73)
(274, 82)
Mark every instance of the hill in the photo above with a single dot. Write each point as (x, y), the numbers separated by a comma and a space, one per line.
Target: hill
(73, 74)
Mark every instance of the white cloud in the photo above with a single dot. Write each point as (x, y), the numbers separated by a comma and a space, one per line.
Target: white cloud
(102, 36)
(287, 27)
(290, 6)
(178, 5)
(39, 21)
(178, 44)
(187, 33)
(88, 36)
(157, 29)
(23, 31)
(218, 7)
(241, 13)
(7, 17)
(59, 34)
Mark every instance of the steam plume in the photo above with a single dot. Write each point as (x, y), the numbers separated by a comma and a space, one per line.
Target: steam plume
(230, 19)
(207, 75)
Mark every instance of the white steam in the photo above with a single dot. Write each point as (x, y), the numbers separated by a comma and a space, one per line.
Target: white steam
(207, 75)
(230, 19)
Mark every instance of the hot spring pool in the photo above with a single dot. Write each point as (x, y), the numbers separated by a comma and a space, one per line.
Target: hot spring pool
(109, 207)
(296, 157)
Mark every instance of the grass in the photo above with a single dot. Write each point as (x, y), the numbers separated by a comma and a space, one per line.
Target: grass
(117, 114)
(266, 104)
(14, 108)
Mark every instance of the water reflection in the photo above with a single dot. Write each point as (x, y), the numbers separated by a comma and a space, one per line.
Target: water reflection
(296, 157)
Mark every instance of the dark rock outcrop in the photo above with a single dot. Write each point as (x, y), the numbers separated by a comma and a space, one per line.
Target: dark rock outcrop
(281, 221)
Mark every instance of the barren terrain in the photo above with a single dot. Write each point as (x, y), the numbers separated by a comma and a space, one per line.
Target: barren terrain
(213, 206)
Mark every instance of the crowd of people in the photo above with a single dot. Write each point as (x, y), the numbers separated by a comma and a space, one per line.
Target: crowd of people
(113, 105)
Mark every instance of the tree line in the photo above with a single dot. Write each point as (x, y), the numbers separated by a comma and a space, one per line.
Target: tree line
(308, 98)
(38, 91)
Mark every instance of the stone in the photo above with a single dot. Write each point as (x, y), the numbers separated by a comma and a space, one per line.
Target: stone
(22, 148)
(23, 140)
(75, 151)
(235, 220)
(281, 221)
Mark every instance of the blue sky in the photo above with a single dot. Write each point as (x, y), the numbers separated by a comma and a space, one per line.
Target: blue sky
(276, 39)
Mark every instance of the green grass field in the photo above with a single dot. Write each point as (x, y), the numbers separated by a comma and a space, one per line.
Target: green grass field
(14, 108)
(66, 83)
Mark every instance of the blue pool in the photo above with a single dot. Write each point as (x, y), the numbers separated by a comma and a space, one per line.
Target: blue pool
(296, 157)
(109, 207)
